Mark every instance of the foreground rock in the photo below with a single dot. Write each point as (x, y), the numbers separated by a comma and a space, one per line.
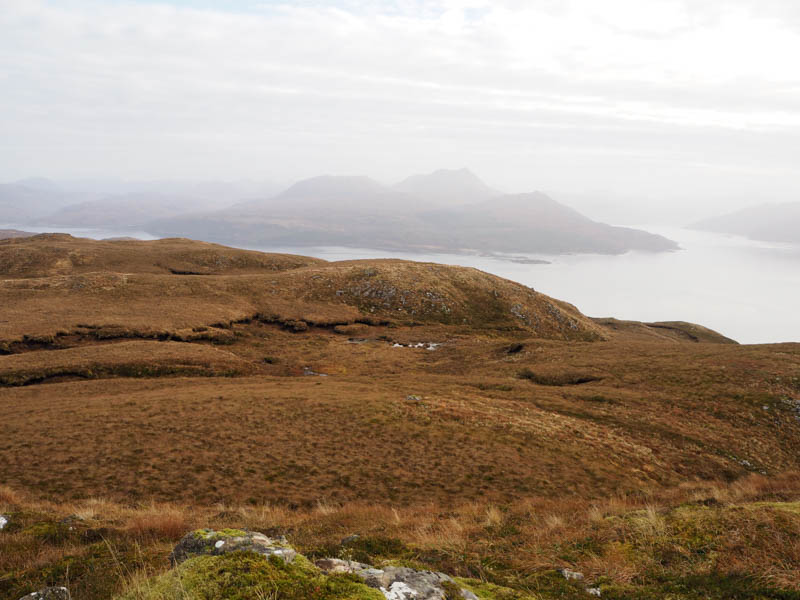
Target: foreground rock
(398, 583)
(235, 564)
(214, 543)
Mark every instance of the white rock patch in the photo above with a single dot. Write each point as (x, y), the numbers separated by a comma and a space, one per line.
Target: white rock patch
(3, 522)
(399, 590)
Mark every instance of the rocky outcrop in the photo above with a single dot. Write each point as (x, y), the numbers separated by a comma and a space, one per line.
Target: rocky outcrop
(393, 582)
(398, 583)
(209, 542)
(50, 593)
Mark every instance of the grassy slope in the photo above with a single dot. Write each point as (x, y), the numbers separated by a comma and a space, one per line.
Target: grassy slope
(135, 409)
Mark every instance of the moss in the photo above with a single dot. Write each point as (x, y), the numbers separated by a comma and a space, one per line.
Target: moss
(711, 586)
(367, 549)
(247, 575)
(489, 591)
(51, 532)
(210, 534)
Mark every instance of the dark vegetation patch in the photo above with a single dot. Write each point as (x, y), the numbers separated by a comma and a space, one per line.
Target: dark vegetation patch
(556, 379)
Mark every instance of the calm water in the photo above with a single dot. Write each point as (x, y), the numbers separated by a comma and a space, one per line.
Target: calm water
(747, 290)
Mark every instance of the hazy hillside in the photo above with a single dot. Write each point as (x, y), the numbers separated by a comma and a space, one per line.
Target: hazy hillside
(447, 187)
(27, 200)
(767, 222)
(537, 223)
(13, 233)
(416, 214)
(130, 210)
(115, 203)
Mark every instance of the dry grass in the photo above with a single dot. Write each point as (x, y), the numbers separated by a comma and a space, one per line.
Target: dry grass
(644, 465)
(160, 522)
(632, 541)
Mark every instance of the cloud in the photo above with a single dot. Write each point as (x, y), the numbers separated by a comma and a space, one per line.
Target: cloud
(529, 92)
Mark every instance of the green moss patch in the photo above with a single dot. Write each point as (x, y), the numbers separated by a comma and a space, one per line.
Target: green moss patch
(248, 576)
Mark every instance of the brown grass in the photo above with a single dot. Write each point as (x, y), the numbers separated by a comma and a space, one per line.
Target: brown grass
(621, 540)
(668, 459)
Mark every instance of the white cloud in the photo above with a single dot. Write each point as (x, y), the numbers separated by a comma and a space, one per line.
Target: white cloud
(528, 92)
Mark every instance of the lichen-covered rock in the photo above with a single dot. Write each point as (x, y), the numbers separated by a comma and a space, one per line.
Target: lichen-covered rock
(214, 543)
(49, 593)
(397, 583)
(249, 576)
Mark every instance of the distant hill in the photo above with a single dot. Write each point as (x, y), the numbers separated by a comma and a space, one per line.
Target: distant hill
(23, 202)
(414, 215)
(14, 233)
(131, 210)
(447, 187)
(767, 222)
(117, 204)
(536, 223)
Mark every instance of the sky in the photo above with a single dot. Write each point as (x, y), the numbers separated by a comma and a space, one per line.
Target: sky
(684, 107)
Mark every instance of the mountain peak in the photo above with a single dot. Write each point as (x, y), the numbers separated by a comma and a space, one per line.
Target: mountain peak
(447, 187)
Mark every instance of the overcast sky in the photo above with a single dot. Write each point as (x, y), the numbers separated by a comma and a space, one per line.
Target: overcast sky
(697, 101)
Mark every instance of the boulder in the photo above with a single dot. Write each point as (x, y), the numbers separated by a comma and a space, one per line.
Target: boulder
(397, 583)
(49, 593)
(214, 543)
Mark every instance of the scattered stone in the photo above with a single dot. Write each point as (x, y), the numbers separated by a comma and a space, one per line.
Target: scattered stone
(3, 522)
(214, 543)
(308, 372)
(49, 593)
(396, 583)
(413, 398)
(593, 591)
(568, 574)
(425, 345)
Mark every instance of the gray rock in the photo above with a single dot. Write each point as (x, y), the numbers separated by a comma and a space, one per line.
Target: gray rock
(214, 543)
(568, 574)
(396, 583)
(49, 593)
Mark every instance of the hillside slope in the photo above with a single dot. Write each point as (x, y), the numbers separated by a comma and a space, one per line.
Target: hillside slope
(766, 222)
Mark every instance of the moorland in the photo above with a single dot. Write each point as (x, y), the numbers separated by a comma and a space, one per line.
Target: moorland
(385, 411)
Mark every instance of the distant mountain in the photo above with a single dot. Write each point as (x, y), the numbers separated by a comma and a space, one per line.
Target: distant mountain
(767, 222)
(534, 223)
(22, 203)
(333, 195)
(125, 210)
(447, 187)
(14, 233)
(359, 212)
(109, 203)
